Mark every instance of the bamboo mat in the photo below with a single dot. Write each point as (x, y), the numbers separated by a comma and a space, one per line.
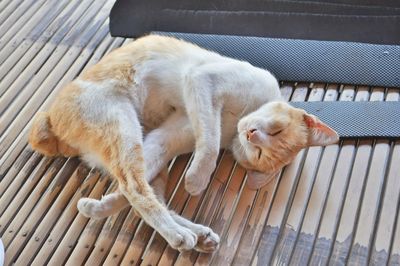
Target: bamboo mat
(335, 205)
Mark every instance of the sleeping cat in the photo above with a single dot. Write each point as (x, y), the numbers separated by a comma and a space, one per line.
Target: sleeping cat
(158, 97)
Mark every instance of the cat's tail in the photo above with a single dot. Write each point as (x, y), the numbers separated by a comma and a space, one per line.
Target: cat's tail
(41, 138)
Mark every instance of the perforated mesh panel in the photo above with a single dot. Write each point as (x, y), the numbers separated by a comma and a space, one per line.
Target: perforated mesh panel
(305, 60)
(357, 119)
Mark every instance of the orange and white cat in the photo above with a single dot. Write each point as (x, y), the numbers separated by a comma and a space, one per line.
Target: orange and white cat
(159, 97)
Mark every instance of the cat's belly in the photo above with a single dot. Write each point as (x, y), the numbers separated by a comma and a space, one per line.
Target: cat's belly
(92, 160)
(155, 111)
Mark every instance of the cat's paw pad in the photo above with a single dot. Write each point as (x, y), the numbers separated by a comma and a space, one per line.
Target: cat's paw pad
(195, 184)
(90, 208)
(207, 241)
(183, 239)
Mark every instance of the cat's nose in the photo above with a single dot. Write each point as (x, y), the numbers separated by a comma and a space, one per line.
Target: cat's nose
(251, 133)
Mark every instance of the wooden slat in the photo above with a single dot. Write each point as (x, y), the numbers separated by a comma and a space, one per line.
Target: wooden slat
(125, 235)
(144, 232)
(36, 23)
(395, 246)
(15, 138)
(29, 250)
(7, 175)
(31, 221)
(11, 155)
(177, 202)
(106, 238)
(7, 8)
(15, 178)
(259, 211)
(223, 216)
(277, 214)
(57, 232)
(288, 238)
(212, 199)
(342, 245)
(386, 224)
(86, 242)
(329, 218)
(324, 238)
(16, 212)
(231, 238)
(17, 20)
(349, 216)
(306, 237)
(309, 227)
(36, 49)
(360, 249)
(67, 245)
(42, 83)
(323, 207)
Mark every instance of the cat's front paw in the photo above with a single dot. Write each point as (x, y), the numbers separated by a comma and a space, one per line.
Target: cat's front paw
(195, 184)
(182, 239)
(198, 176)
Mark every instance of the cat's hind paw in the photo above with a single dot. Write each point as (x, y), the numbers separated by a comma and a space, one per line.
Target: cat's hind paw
(207, 241)
(91, 208)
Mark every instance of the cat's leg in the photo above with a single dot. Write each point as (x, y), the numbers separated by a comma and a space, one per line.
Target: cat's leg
(205, 118)
(116, 139)
(207, 240)
(114, 202)
(174, 137)
(164, 143)
(101, 208)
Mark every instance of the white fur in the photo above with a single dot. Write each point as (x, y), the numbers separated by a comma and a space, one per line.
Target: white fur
(210, 90)
(204, 88)
(182, 99)
(185, 98)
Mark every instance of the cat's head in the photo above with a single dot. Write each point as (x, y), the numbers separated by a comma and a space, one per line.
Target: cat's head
(270, 138)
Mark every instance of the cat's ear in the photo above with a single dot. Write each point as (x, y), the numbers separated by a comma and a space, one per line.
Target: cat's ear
(256, 180)
(320, 133)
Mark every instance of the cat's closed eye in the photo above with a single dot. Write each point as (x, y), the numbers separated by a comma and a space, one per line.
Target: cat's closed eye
(275, 133)
(277, 125)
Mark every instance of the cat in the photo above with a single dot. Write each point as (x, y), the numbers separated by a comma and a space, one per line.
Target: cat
(158, 97)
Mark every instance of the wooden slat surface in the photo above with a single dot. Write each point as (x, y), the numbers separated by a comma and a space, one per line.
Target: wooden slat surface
(332, 206)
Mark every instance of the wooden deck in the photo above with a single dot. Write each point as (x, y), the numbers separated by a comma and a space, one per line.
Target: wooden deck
(335, 205)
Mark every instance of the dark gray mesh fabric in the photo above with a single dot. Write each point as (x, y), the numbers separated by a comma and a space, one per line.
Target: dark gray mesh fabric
(366, 21)
(307, 60)
(358, 119)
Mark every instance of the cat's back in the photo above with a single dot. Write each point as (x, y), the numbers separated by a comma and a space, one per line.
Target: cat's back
(155, 46)
(161, 49)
